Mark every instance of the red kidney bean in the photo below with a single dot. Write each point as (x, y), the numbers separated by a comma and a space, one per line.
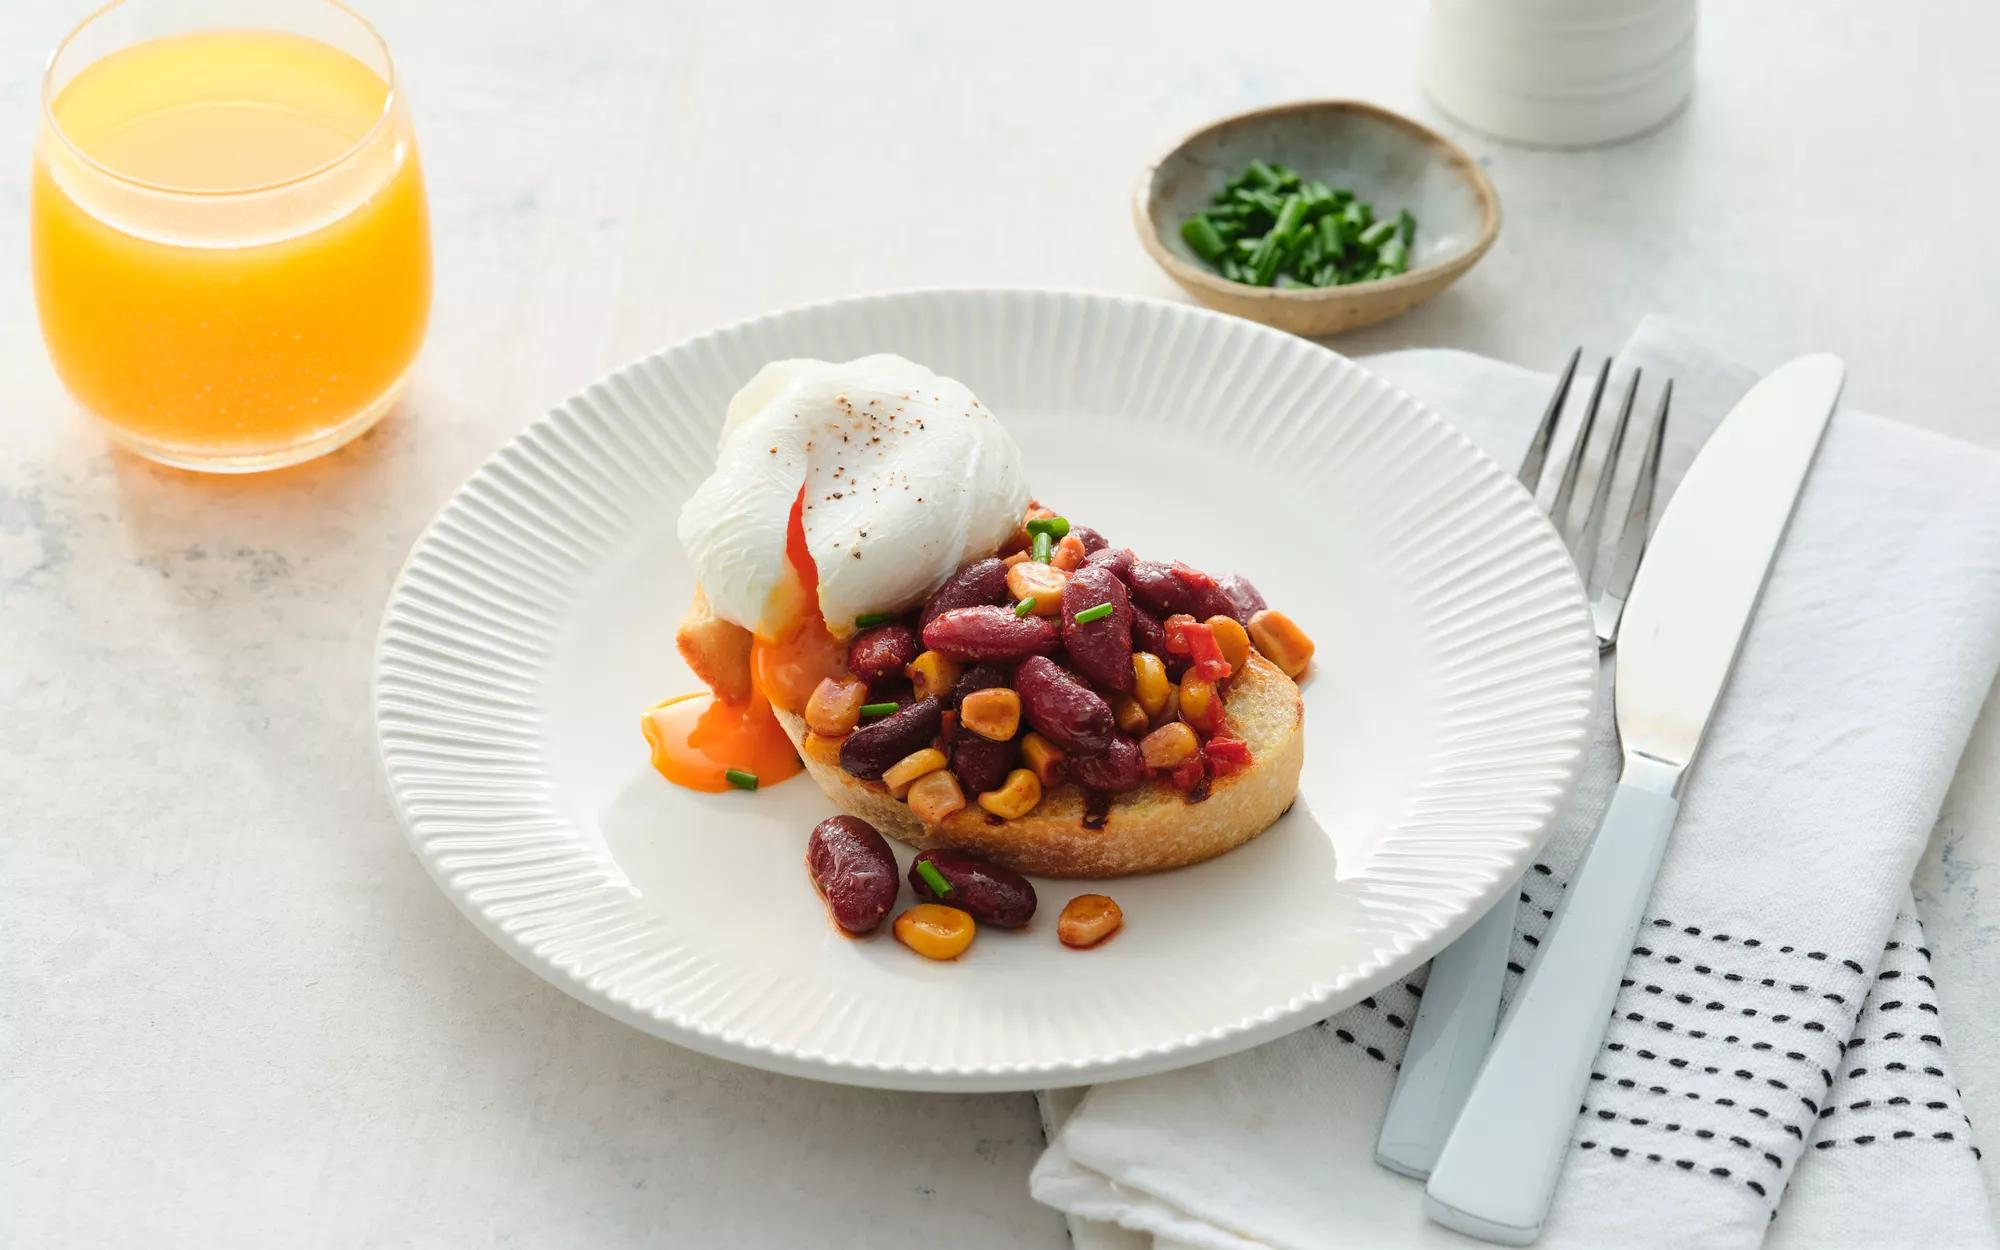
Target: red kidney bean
(1244, 601)
(1090, 538)
(994, 895)
(882, 651)
(982, 581)
(978, 677)
(1148, 634)
(990, 632)
(896, 689)
(1118, 769)
(1061, 708)
(1154, 585)
(981, 764)
(1202, 596)
(1102, 649)
(871, 750)
(1117, 559)
(853, 870)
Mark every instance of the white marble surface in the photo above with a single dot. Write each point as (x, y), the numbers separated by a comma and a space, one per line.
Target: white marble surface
(237, 1013)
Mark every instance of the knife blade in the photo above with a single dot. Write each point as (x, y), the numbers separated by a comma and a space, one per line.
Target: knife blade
(1690, 608)
(1714, 548)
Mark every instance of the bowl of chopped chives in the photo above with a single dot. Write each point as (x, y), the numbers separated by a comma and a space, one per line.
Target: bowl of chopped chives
(1316, 217)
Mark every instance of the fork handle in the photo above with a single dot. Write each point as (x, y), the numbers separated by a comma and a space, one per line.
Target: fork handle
(1448, 1042)
(1499, 1168)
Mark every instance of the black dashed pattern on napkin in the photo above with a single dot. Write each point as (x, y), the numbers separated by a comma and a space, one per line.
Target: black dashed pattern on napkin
(1728, 1055)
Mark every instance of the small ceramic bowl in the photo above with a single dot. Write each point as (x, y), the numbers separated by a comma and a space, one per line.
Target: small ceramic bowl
(1383, 157)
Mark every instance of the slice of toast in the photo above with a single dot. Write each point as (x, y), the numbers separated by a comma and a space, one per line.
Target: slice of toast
(717, 650)
(1148, 829)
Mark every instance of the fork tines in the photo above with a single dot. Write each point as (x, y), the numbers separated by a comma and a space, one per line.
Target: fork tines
(1609, 588)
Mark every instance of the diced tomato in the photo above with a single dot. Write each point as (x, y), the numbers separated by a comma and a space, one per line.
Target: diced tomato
(1226, 755)
(1187, 775)
(1192, 577)
(1195, 640)
(1206, 653)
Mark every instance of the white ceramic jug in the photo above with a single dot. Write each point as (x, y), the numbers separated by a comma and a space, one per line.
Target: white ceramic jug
(1560, 73)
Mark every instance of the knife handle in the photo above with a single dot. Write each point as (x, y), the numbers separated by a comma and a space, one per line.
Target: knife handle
(1448, 1042)
(1499, 1168)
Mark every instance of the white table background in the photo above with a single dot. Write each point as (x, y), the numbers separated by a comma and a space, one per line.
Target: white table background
(235, 1010)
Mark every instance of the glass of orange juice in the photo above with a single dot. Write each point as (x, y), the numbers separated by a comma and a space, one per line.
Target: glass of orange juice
(230, 242)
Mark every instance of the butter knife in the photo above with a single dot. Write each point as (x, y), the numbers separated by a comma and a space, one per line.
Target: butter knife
(1690, 606)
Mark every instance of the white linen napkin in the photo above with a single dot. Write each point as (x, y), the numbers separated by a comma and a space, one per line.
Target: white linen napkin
(1741, 1064)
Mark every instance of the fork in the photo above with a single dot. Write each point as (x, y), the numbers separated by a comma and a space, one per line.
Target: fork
(1461, 1004)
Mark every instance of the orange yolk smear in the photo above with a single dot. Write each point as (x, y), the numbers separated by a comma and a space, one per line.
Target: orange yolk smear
(697, 738)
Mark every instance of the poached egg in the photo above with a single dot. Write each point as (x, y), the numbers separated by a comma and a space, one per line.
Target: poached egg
(888, 475)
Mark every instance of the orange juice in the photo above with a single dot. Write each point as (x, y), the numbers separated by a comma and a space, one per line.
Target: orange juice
(230, 242)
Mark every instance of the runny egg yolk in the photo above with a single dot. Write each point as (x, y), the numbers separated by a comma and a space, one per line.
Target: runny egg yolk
(697, 738)
(786, 669)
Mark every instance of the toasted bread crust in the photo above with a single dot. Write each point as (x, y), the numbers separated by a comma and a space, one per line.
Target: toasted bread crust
(1149, 829)
(717, 650)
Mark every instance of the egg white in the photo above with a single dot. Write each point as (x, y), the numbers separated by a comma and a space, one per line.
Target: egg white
(906, 477)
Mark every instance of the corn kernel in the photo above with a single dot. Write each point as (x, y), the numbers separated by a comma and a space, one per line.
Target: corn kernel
(821, 749)
(910, 767)
(935, 931)
(1149, 674)
(1130, 716)
(993, 713)
(835, 706)
(1042, 583)
(1199, 706)
(1282, 642)
(934, 796)
(1016, 797)
(1172, 743)
(1233, 639)
(1043, 758)
(1086, 920)
(933, 675)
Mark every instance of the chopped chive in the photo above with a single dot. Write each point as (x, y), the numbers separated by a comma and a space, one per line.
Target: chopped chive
(740, 779)
(1291, 216)
(1053, 526)
(1264, 266)
(869, 620)
(1270, 226)
(1097, 613)
(933, 878)
(1330, 242)
(1025, 606)
(1044, 547)
(872, 710)
(1201, 236)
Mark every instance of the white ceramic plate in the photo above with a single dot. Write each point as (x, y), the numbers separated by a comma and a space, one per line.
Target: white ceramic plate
(1444, 720)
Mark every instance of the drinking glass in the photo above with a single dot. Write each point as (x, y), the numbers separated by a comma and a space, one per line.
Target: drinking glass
(230, 242)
